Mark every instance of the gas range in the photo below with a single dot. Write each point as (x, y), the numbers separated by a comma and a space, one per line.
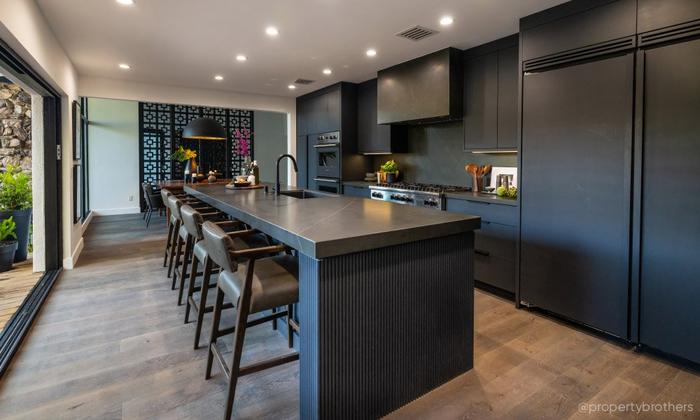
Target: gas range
(414, 194)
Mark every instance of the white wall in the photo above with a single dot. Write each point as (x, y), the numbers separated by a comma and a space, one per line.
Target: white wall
(113, 156)
(120, 89)
(24, 29)
(270, 141)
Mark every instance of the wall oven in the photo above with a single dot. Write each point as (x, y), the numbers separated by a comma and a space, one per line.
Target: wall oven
(326, 155)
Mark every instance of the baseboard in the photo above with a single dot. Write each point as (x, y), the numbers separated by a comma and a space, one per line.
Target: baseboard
(69, 263)
(112, 212)
(86, 222)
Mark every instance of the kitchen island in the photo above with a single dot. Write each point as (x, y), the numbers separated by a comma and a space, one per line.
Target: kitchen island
(386, 295)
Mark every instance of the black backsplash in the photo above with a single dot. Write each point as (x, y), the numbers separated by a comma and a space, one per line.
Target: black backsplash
(436, 155)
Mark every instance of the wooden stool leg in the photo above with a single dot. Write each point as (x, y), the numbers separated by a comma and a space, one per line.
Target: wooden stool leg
(168, 244)
(202, 301)
(290, 330)
(214, 329)
(187, 256)
(238, 338)
(175, 261)
(274, 321)
(190, 287)
(173, 247)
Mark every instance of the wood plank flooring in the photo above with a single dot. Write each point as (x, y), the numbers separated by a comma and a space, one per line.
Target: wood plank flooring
(14, 287)
(110, 343)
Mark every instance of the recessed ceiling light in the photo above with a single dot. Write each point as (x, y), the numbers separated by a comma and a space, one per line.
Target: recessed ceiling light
(272, 31)
(292, 87)
(446, 20)
(371, 52)
(327, 71)
(124, 66)
(126, 2)
(241, 57)
(219, 77)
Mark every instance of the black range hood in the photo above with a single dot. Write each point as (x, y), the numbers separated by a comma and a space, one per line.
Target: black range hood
(425, 90)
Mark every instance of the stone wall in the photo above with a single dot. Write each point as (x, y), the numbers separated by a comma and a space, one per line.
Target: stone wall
(15, 127)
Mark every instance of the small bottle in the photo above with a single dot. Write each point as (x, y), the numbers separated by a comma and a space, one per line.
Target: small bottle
(256, 173)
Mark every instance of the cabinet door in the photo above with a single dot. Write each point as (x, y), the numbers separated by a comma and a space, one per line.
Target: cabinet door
(481, 102)
(494, 255)
(508, 98)
(302, 117)
(657, 14)
(302, 162)
(575, 191)
(331, 114)
(367, 127)
(670, 279)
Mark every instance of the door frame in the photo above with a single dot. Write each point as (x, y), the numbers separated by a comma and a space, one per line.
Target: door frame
(20, 322)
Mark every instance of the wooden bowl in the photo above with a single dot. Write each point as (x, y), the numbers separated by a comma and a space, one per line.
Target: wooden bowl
(241, 184)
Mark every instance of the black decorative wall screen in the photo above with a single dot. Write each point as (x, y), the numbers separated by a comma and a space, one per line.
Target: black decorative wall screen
(160, 132)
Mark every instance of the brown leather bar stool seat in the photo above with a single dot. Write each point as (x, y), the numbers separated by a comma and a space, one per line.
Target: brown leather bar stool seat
(243, 238)
(181, 258)
(261, 284)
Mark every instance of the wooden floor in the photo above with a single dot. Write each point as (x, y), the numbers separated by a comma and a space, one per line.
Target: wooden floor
(110, 343)
(14, 287)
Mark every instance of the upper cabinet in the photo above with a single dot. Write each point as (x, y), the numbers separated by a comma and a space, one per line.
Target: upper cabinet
(373, 138)
(491, 96)
(658, 14)
(319, 112)
(579, 24)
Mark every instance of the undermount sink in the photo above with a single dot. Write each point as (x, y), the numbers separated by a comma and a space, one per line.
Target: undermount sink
(300, 194)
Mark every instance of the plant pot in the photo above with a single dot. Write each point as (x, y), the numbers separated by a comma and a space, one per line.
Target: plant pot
(22, 218)
(7, 254)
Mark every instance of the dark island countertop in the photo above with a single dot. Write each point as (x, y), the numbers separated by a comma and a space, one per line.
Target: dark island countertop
(333, 225)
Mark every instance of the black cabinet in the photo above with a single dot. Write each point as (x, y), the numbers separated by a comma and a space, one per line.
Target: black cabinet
(302, 162)
(491, 98)
(657, 14)
(481, 102)
(495, 244)
(319, 112)
(356, 190)
(372, 137)
(575, 25)
(670, 222)
(576, 189)
(508, 98)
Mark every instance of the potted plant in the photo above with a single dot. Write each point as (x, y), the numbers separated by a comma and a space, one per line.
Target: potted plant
(16, 202)
(8, 244)
(389, 172)
(186, 155)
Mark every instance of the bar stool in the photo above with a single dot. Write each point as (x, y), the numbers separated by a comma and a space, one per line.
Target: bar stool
(260, 284)
(172, 222)
(243, 238)
(180, 260)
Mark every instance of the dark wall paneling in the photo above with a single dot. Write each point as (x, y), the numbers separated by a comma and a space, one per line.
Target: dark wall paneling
(508, 70)
(160, 128)
(606, 22)
(356, 345)
(678, 32)
(656, 14)
(481, 102)
(670, 283)
(581, 54)
(575, 205)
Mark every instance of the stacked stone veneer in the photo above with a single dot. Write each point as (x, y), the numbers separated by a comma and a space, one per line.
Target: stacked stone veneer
(15, 127)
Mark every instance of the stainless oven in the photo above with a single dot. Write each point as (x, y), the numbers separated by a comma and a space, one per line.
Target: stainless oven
(326, 155)
(329, 185)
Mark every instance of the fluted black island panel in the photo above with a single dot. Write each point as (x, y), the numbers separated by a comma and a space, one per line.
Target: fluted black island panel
(386, 295)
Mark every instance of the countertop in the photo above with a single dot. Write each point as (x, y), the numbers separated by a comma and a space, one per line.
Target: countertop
(333, 225)
(469, 196)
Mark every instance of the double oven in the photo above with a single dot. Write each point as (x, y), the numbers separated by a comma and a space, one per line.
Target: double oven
(324, 162)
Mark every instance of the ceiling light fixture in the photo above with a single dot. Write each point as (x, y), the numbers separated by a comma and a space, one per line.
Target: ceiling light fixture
(371, 52)
(291, 87)
(219, 77)
(124, 66)
(126, 2)
(241, 57)
(272, 31)
(327, 71)
(446, 20)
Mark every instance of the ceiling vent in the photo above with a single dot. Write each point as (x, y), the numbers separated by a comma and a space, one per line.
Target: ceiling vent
(303, 82)
(417, 33)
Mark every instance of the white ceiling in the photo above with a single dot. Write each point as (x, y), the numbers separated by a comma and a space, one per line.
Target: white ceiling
(187, 42)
